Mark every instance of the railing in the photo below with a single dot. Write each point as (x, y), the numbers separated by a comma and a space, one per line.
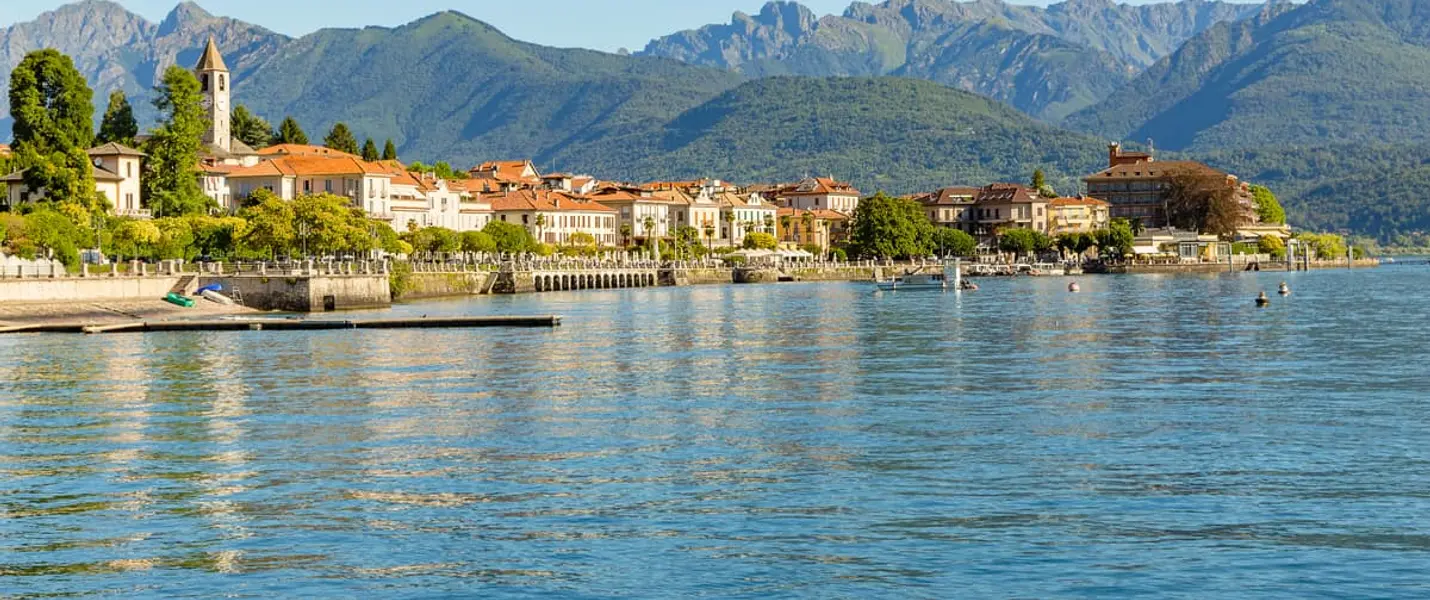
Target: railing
(134, 213)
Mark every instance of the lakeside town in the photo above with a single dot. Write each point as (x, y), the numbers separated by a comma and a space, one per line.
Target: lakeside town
(293, 198)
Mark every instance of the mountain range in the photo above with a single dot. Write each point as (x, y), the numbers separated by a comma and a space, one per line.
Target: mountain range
(1313, 99)
(1047, 62)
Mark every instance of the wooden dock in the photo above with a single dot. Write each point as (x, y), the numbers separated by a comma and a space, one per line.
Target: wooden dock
(289, 325)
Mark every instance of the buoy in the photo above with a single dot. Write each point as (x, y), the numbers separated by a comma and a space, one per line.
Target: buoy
(1285, 289)
(1262, 300)
(1074, 287)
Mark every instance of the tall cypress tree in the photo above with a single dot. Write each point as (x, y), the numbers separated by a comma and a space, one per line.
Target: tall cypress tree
(369, 151)
(53, 111)
(290, 133)
(118, 125)
(341, 139)
(389, 151)
(171, 186)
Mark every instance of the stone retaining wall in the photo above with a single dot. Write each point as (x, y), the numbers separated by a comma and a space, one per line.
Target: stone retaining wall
(86, 289)
(305, 293)
(438, 285)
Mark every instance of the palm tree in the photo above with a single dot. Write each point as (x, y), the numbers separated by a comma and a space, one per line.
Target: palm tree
(808, 220)
(649, 224)
(729, 218)
(540, 224)
(785, 222)
(626, 235)
(709, 229)
(769, 223)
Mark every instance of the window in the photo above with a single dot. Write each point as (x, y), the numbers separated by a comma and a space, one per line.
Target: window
(525, 219)
(129, 200)
(328, 186)
(128, 169)
(307, 186)
(221, 82)
(204, 82)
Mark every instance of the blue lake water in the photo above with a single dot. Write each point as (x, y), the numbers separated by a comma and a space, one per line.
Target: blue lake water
(1152, 436)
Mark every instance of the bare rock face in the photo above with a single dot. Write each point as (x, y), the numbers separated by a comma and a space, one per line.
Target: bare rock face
(1047, 62)
(119, 50)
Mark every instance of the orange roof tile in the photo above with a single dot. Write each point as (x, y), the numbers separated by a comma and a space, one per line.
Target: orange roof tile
(544, 201)
(303, 150)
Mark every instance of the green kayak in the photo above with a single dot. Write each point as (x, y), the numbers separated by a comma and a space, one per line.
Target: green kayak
(179, 300)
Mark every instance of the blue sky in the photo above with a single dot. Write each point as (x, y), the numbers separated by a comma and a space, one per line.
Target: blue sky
(601, 24)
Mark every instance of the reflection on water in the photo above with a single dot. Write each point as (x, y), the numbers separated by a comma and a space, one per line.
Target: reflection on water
(1151, 436)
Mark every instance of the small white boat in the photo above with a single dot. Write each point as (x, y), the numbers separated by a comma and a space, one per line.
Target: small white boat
(919, 280)
(216, 298)
(914, 281)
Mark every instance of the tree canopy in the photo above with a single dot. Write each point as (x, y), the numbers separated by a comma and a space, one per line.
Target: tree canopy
(1204, 202)
(389, 151)
(290, 133)
(1268, 208)
(340, 138)
(52, 108)
(250, 128)
(510, 237)
(171, 185)
(948, 241)
(118, 124)
(369, 151)
(889, 227)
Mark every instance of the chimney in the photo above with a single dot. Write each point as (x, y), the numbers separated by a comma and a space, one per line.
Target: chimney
(1114, 150)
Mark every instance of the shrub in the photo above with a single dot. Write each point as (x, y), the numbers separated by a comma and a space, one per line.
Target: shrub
(761, 241)
(1270, 244)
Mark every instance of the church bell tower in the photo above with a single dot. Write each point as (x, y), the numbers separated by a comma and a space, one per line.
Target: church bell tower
(214, 83)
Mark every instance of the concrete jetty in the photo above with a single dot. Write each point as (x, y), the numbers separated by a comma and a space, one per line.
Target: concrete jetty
(291, 325)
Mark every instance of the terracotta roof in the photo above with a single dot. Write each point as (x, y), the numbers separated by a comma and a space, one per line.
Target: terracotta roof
(114, 149)
(544, 201)
(1008, 192)
(819, 213)
(5, 150)
(507, 171)
(1079, 201)
(267, 168)
(1151, 170)
(218, 168)
(618, 196)
(949, 196)
(303, 150)
(211, 60)
(820, 186)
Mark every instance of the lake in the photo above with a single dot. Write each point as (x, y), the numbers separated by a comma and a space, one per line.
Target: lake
(1152, 436)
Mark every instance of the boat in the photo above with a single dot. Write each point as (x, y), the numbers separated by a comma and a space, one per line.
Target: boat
(216, 298)
(179, 300)
(920, 280)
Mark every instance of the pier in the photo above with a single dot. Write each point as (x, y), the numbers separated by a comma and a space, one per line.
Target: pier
(547, 321)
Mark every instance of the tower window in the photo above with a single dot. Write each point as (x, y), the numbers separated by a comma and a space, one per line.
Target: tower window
(221, 83)
(205, 82)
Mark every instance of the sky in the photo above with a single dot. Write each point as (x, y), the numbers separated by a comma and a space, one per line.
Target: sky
(600, 24)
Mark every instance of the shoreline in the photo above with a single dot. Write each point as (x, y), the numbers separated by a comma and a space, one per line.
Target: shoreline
(102, 312)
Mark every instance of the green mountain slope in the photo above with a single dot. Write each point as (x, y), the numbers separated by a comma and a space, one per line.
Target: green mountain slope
(453, 87)
(899, 135)
(1327, 71)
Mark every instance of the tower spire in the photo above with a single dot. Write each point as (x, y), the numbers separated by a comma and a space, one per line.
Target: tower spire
(211, 60)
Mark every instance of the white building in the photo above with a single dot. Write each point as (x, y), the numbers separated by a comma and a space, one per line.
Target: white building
(117, 176)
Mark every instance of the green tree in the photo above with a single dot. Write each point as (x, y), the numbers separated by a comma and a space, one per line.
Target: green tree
(1272, 245)
(271, 230)
(56, 234)
(134, 239)
(1039, 180)
(478, 241)
(953, 242)
(250, 128)
(888, 227)
(1268, 208)
(756, 240)
(1018, 241)
(510, 237)
(53, 111)
(1116, 240)
(340, 138)
(389, 150)
(1327, 246)
(290, 133)
(118, 125)
(369, 151)
(171, 185)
